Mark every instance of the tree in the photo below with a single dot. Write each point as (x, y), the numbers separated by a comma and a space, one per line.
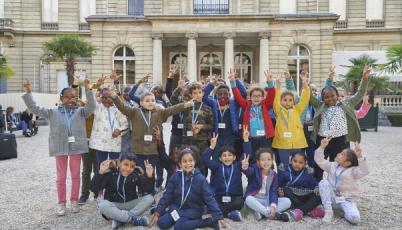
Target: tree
(394, 56)
(68, 47)
(5, 70)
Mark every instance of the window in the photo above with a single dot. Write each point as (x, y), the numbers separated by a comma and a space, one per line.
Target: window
(211, 6)
(210, 64)
(242, 65)
(124, 64)
(338, 7)
(135, 7)
(374, 10)
(287, 7)
(50, 11)
(1, 8)
(87, 8)
(179, 59)
(298, 61)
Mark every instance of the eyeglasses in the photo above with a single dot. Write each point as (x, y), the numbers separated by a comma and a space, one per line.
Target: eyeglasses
(256, 96)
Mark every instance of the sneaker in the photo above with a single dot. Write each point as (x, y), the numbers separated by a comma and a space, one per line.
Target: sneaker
(297, 214)
(257, 215)
(83, 199)
(328, 217)
(26, 134)
(75, 208)
(117, 224)
(285, 216)
(208, 222)
(234, 215)
(139, 221)
(61, 209)
(317, 213)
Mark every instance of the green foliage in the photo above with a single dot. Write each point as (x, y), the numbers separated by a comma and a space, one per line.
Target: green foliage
(5, 70)
(394, 56)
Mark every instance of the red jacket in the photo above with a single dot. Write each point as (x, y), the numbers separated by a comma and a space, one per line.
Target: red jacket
(266, 105)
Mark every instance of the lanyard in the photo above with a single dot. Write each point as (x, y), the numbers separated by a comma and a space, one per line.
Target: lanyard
(240, 110)
(111, 122)
(184, 198)
(181, 115)
(227, 184)
(337, 176)
(195, 117)
(147, 122)
(69, 118)
(222, 113)
(286, 122)
(291, 181)
(124, 191)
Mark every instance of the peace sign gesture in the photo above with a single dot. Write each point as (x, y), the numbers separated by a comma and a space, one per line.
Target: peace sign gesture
(173, 71)
(246, 133)
(331, 73)
(268, 75)
(214, 139)
(366, 72)
(325, 142)
(245, 162)
(305, 79)
(149, 170)
(286, 74)
(232, 75)
(27, 86)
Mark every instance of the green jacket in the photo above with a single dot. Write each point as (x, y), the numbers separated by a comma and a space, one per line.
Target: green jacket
(205, 117)
(348, 106)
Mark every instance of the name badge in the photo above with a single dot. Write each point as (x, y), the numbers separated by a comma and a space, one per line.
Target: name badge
(71, 139)
(310, 128)
(287, 134)
(340, 199)
(175, 215)
(260, 132)
(222, 125)
(240, 126)
(147, 137)
(189, 133)
(180, 126)
(226, 199)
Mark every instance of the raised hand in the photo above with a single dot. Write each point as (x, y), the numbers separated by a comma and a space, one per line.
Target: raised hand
(245, 162)
(27, 86)
(149, 170)
(366, 99)
(246, 133)
(213, 79)
(213, 141)
(325, 142)
(268, 75)
(104, 167)
(232, 75)
(331, 73)
(358, 150)
(114, 76)
(366, 72)
(278, 83)
(305, 78)
(173, 71)
(87, 84)
(286, 74)
(100, 81)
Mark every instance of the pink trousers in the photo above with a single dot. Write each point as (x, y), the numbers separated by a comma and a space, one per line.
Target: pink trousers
(61, 168)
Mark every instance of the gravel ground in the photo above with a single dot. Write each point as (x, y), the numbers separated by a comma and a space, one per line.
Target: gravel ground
(28, 190)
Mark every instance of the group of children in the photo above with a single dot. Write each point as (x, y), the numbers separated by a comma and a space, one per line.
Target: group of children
(264, 135)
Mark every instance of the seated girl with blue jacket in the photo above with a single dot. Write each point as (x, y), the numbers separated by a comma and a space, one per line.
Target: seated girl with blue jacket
(226, 181)
(183, 203)
(121, 202)
(261, 193)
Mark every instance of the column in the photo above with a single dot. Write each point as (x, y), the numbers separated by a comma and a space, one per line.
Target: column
(157, 59)
(228, 53)
(264, 55)
(192, 56)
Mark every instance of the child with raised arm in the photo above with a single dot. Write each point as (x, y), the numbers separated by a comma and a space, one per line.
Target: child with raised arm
(340, 190)
(336, 119)
(289, 133)
(256, 115)
(67, 138)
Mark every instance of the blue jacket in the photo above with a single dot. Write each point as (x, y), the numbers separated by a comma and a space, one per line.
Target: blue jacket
(254, 176)
(306, 180)
(234, 109)
(217, 179)
(199, 196)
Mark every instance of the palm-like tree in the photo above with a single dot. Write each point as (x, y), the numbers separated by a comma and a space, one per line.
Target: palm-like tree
(394, 56)
(68, 47)
(5, 70)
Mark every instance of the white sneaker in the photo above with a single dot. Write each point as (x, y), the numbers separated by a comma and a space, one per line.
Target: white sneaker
(328, 217)
(61, 209)
(75, 208)
(257, 215)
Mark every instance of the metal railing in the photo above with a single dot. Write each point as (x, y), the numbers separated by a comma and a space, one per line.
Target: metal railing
(211, 6)
(6, 23)
(375, 24)
(342, 24)
(84, 26)
(50, 26)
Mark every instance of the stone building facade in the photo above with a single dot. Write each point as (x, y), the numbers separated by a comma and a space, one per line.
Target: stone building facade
(202, 37)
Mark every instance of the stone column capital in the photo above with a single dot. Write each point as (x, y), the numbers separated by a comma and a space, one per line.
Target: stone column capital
(229, 35)
(157, 36)
(191, 35)
(264, 35)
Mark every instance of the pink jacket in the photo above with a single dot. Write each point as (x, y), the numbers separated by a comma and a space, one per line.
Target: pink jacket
(362, 112)
(348, 186)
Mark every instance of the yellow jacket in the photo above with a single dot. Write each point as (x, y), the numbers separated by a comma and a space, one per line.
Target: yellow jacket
(291, 137)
